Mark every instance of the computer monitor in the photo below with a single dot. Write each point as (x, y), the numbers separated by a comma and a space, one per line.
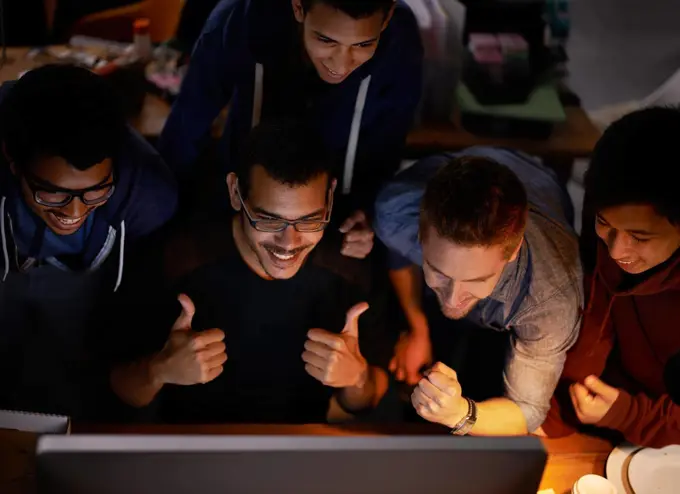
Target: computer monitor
(125, 464)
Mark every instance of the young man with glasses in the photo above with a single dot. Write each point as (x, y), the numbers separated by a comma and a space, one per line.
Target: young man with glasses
(78, 191)
(266, 324)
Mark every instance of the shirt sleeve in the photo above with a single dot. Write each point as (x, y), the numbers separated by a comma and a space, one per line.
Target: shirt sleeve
(587, 357)
(206, 89)
(645, 421)
(397, 212)
(542, 335)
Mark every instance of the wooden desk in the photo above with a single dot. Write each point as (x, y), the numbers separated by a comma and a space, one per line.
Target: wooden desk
(572, 139)
(568, 458)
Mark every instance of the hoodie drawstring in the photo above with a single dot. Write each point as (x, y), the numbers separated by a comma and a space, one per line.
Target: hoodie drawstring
(257, 95)
(5, 254)
(121, 256)
(354, 135)
(353, 142)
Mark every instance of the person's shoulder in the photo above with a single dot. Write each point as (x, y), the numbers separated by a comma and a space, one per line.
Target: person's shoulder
(195, 243)
(400, 43)
(5, 89)
(403, 21)
(556, 272)
(409, 184)
(225, 11)
(146, 188)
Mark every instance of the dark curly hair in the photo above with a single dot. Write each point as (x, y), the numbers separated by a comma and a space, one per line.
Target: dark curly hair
(64, 111)
(288, 150)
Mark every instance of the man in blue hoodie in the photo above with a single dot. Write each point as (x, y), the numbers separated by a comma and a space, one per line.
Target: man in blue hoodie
(352, 69)
(78, 191)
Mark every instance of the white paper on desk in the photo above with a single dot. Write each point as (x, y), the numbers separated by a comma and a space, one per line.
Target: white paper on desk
(34, 422)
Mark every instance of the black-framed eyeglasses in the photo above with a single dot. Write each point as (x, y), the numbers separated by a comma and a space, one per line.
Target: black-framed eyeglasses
(279, 225)
(50, 196)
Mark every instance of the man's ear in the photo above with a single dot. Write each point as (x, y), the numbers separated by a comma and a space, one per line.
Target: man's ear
(516, 251)
(298, 11)
(232, 186)
(388, 17)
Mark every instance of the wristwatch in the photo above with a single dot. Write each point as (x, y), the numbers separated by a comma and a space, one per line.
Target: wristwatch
(466, 424)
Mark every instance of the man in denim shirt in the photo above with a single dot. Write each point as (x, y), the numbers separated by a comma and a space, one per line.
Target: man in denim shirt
(491, 230)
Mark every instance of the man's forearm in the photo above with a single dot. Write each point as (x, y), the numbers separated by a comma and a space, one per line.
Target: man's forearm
(137, 383)
(407, 283)
(368, 394)
(499, 417)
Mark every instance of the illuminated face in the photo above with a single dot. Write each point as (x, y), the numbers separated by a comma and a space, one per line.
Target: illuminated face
(638, 238)
(336, 43)
(459, 275)
(47, 187)
(279, 255)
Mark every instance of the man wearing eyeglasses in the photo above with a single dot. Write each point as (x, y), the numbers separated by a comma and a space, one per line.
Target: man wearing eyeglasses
(78, 191)
(267, 325)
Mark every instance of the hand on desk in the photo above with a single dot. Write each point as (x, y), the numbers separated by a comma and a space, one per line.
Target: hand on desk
(359, 236)
(335, 359)
(439, 397)
(189, 357)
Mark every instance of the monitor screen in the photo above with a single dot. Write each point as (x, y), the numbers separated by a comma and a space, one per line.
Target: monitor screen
(125, 464)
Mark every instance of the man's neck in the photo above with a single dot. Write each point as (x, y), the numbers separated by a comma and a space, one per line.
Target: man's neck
(245, 250)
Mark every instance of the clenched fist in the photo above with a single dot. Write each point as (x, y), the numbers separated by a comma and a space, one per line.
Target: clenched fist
(189, 357)
(335, 359)
(439, 398)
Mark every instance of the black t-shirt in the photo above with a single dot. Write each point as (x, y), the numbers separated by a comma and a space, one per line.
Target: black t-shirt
(265, 322)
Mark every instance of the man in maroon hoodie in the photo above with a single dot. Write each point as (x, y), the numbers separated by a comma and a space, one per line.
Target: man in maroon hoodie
(623, 374)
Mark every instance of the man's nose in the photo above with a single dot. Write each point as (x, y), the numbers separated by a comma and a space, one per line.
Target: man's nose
(75, 209)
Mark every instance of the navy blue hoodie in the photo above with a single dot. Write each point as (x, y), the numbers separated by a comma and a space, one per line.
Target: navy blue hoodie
(144, 200)
(248, 56)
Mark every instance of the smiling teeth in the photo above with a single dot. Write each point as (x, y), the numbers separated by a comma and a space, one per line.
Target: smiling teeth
(68, 222)
(283, 258)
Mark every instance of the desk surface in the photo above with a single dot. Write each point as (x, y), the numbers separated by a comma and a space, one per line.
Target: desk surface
(568, 458)
(575, 138)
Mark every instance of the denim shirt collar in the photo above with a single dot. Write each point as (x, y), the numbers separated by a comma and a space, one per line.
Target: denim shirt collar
(510, 284)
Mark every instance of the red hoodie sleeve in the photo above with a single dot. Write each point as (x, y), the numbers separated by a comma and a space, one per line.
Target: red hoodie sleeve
(645, 421)
(587, 357)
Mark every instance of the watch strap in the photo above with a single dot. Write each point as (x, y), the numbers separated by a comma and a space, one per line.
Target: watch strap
(466, 424)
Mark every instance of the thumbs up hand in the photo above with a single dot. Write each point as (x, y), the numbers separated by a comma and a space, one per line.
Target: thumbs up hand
(335, 359)
(189, 357)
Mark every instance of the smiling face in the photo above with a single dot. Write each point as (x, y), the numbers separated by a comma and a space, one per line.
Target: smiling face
(459, 275)
(50, 179)
(277, 255)
(638, 238)
(336, 43)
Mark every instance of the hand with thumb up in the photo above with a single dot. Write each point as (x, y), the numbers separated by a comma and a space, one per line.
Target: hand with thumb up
(190, 357)
(335, 359)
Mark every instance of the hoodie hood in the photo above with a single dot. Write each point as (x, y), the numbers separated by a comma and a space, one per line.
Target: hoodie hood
(605, 286)
(662, 278)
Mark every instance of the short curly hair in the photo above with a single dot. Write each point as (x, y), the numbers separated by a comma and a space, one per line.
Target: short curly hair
(475, 201)
(64, 111)
(637, 161)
